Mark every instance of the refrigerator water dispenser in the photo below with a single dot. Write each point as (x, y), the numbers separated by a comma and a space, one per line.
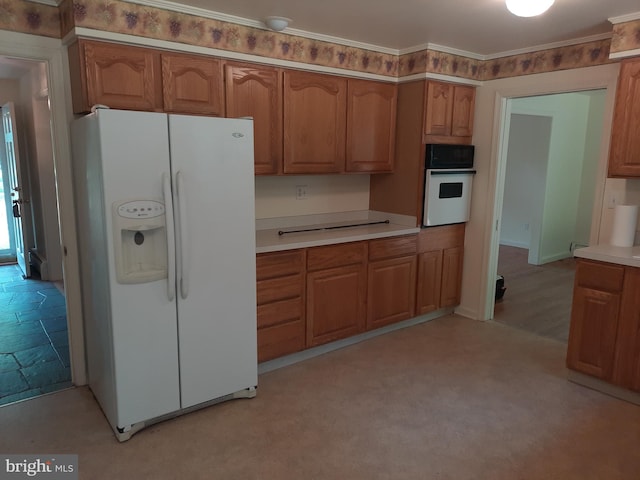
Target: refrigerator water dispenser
(140, 241)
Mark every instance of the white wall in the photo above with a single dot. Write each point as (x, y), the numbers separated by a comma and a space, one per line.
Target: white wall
(276, 195)
(525, 179)
(481, 238)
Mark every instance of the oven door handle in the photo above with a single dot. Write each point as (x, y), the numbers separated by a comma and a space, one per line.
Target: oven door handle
(452, 172)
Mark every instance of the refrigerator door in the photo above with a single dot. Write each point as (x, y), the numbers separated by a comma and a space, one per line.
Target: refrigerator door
(212, 165)
(134, 148)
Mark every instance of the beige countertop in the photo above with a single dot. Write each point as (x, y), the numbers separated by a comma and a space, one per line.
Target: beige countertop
(629, 256)
(277, 234)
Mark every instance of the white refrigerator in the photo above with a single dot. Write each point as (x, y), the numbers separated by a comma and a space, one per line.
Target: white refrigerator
(166, 228)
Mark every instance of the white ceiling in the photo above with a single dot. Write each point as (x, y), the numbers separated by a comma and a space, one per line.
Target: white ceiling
(483, 27)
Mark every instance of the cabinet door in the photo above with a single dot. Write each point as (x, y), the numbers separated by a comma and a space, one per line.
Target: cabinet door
(371, 120)
(624, 157)
(314, 123)
(626, 371)
(391, 293)
(121, 76)
(462, 113)
(592, 336)
(335, 303)
(438, 109)
(451, 277)
(429, 281)
(192, 84)
(256, 91)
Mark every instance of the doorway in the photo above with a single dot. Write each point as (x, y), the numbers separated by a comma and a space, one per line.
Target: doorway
(34, 342)
(549, 191)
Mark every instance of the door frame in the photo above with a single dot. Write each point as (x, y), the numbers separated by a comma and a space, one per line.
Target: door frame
(551, 84)
(52, 52)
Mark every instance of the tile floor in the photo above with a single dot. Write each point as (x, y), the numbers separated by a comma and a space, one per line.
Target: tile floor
(34, 346)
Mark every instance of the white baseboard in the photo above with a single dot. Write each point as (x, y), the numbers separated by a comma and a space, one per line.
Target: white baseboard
(509, 243)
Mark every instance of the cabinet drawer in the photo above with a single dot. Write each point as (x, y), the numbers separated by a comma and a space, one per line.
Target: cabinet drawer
(280, 264)
(280, 340)
(393, 247)
(319, 258)
(599, 276)
(438, 238)
(280, 288)
(280, 312)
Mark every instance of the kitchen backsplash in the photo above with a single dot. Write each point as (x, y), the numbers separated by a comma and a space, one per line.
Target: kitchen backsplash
(285, 196)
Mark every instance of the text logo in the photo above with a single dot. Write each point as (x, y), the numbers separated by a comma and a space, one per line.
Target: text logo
(51, 467)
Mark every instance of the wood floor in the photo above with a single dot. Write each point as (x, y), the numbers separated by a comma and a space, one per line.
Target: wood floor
(538, 297)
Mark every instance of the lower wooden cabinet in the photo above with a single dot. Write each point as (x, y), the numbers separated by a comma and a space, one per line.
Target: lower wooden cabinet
(391, 289)
(439, 267)
(281, 306)
(604, 336)
(309, 297)
(336, 292)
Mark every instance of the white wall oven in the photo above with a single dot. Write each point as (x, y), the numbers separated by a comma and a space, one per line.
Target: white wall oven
(447, 185)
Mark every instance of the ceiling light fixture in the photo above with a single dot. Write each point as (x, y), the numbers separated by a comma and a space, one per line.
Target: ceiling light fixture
(277, 24)
(528, 8)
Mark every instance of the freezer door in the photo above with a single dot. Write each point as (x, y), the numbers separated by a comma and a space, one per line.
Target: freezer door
(134, 149)
(212, 165)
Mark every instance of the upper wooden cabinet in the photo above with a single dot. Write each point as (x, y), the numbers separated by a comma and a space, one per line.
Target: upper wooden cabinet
(192, 84)
(624, 156)
(134, 78)
(118, 76)
(371, 126)
(314, 123)
(256, 91)
(448, 113)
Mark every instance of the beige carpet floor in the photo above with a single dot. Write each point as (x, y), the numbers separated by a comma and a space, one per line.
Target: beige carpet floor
(448, 399)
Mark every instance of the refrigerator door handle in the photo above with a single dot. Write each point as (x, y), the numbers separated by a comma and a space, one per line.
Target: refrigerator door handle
(184, 244)
(171, 248)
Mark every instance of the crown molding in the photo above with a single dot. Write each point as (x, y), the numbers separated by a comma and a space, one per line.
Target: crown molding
(441, 48)
(548, 46)
(629, 17)
(51, 3)
(625, 54)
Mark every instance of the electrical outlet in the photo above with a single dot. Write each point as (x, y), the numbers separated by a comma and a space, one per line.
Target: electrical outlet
(526, 227)
(301, 192)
